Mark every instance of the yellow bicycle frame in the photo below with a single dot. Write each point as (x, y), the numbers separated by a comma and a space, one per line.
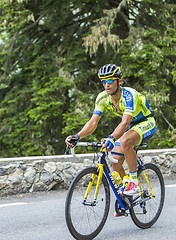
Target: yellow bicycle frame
(147, 183)
(100, 174)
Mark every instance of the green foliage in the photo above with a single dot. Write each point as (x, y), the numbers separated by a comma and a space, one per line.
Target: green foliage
(163, 139)
(50, 52)
(148, 61)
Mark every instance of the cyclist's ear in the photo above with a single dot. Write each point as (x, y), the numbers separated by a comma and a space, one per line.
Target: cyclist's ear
(120, 81)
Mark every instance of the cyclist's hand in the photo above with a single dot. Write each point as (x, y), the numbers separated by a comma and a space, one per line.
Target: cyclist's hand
(109, 143)
(71, 141)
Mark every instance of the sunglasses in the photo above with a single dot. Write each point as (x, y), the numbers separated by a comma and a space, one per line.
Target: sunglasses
(108, 81)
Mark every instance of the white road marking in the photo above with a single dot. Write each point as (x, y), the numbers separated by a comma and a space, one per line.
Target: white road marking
(12, 204)
(171, 185)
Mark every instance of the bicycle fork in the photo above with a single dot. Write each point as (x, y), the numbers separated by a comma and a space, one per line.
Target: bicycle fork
(100, 174)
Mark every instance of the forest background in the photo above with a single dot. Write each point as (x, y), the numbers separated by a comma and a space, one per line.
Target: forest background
(50, 53)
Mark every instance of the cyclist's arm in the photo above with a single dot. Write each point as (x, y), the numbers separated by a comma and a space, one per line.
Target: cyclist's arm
(90, 126)
(122, 127)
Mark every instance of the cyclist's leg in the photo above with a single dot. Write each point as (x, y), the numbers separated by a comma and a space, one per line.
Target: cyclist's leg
(118, 155)
(135, 136)
(138, 134)
(127, 141)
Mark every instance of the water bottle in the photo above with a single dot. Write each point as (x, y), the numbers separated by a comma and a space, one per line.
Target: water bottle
(117, 179)
(126, 180)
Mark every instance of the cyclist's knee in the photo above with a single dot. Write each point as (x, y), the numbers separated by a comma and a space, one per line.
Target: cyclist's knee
(129, 139)
(125, 143)
(119, 168)
(118, 155)
(119, 158)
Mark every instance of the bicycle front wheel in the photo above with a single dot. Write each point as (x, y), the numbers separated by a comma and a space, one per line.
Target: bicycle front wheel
(145, 214)
(85, 221)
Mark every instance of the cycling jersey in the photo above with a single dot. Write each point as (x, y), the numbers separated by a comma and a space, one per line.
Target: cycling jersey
(131, 102)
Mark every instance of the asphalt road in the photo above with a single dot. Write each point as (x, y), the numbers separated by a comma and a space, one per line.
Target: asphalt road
(40, 216)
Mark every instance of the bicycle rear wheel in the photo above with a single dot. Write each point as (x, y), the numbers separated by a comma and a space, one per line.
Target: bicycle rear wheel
(144, 215)
(86, 221)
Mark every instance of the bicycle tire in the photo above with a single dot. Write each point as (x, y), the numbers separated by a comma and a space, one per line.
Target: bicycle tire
(85, 222)
(146, 214)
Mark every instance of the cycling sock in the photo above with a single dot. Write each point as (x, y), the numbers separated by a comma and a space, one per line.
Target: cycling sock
(133, 177)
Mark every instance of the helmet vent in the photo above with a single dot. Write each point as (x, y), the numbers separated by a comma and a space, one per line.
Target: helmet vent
(110, 70)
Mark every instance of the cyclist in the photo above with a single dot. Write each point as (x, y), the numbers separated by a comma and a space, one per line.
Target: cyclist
(136, 126)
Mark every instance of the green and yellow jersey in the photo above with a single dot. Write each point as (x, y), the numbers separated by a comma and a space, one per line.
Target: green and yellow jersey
(131, 102)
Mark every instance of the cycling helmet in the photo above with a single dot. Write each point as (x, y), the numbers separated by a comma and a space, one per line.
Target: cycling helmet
(109, 71)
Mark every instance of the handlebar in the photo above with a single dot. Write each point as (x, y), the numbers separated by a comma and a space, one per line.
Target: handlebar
(93, 145)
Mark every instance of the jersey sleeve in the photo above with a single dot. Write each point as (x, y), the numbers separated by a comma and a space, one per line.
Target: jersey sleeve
(100, 103)
(131, 102)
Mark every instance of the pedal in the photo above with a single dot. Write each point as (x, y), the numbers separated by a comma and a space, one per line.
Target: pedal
(120, 212)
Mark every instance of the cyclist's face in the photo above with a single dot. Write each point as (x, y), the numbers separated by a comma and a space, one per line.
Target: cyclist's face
(111, 87)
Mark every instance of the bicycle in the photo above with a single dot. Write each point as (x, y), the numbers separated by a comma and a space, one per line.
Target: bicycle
(88, 198)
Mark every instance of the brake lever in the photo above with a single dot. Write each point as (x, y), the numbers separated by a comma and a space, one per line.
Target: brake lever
(73, 152)
(66, 150)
